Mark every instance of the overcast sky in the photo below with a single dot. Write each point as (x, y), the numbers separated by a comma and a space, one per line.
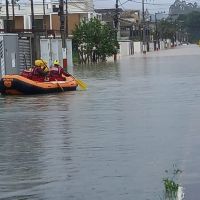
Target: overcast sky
(152, 5)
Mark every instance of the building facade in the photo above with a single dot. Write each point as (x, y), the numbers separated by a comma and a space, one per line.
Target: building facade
(45, 15)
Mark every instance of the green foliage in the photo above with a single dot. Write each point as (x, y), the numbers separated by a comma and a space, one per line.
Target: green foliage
(95, 34)
(191, 24)
(167, 29)
(170, 185)
(188, 25)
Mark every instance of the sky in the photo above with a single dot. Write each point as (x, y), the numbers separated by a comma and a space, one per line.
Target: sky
(153, 6)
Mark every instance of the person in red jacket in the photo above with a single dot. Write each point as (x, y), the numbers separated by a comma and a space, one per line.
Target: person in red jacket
(57, 72)
(40, 71)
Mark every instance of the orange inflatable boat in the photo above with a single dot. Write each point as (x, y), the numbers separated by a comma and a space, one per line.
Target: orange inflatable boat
(16, 84)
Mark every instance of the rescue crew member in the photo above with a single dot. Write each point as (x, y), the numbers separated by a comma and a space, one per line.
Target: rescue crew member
(40, 71)
(57, 72)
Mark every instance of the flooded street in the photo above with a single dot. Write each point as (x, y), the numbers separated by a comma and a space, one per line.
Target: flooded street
(138, 118)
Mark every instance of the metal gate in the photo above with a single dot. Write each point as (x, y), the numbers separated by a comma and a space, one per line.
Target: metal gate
(25, 56)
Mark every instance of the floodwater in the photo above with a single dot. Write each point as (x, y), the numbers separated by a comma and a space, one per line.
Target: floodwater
(138, 118)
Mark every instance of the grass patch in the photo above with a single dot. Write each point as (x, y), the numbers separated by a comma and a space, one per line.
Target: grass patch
(171, 184)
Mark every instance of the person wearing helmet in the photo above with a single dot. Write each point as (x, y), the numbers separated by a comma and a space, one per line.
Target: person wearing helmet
(40, 70)
(57, 72)
(44, 66)
(56, 63)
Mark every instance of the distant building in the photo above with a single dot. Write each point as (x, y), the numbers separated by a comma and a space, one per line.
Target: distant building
(109, 15)
(128, 20)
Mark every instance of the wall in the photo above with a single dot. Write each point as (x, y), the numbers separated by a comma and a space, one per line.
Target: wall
(73, 19)
(55, 21)
(19, 22)
(151, 46)
(126, 47)
(51, 49)
(137, 47)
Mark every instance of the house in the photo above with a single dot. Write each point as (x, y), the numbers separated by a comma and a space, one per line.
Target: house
(45, 15)
(109, 15)
(130, 23)
(129, 20)
(18, 18)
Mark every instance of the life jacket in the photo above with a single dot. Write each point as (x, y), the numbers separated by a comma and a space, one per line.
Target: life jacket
(56, 73)
(38, 74)
(27, 73)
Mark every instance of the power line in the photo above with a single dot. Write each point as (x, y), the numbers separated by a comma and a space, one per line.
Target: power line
(146, 3)
(141, 2)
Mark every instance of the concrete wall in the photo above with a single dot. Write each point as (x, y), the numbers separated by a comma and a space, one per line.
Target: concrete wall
(162, 45)
(126, 47)
(137, 47)
(51, 49)
(168, 43)
(151, 46)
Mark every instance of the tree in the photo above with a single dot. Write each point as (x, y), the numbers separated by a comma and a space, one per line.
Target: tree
(191, 25)
(182, 7)
(95, 41)
(167, 29)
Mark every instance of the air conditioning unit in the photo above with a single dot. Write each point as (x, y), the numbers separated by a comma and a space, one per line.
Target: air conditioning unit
(55, 9)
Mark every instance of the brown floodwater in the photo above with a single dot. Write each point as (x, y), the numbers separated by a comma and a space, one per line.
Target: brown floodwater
(138, 118)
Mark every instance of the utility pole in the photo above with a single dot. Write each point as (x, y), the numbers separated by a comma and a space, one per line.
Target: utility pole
(34, 46)
(156, 31)
(62, 32)
(44, 19)
(66, 19)
(7, 17)
(116, 25)
(13, 14)
(116, 20)
(32, 17)
(144, 29)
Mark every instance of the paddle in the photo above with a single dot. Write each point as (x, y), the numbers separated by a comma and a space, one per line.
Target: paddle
(80, 83)
(44, 64)
(60, 86)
